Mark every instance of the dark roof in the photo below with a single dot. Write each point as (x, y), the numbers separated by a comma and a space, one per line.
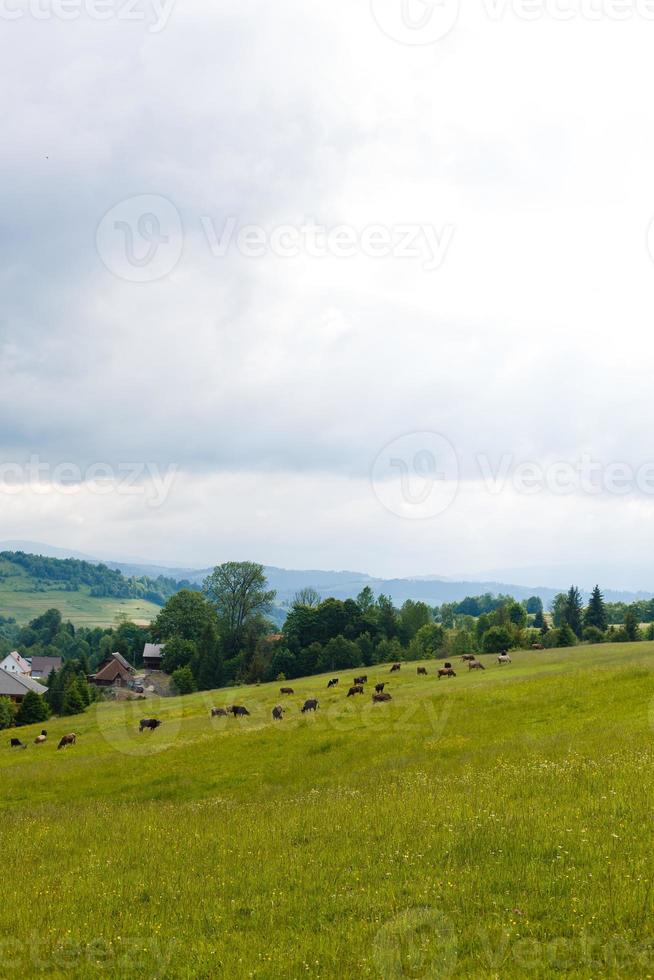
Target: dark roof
(45, 664)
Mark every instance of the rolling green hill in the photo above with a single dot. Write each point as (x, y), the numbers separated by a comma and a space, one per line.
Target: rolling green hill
(30, 584)
(492, 825)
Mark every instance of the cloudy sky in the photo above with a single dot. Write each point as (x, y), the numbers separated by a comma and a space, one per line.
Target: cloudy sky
(362, 284)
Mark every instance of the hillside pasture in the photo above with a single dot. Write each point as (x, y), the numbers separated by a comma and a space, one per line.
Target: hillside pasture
(496, 824)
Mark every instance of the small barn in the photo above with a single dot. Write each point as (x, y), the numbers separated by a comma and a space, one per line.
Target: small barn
(16, 686)
(114, 671)
(153, 655)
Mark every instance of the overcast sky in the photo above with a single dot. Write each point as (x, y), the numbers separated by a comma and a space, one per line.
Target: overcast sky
(444, 383)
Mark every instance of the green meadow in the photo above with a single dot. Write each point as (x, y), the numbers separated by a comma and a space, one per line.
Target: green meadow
(498, 824)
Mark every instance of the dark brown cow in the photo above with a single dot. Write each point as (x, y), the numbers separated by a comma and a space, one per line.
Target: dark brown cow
(333, 682)
(238, 711)
(378, 698)
(309, 705)
(537, 646)
(67, 740)
(422, 670)
(380, 687)
(356, 689)
(15, 743)
(278, 712)
(475, 665)
(286, 690)
(219, 712)
(445, 672)
(447, 664)
(361, 680)
(150, 723)
(468, 656)
(395, 667)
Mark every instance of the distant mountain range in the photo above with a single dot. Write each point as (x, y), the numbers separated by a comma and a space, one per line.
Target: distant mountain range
(431, 589)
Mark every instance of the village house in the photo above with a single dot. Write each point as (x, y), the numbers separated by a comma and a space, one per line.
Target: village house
(15, 686)
(152, 656)
(13, 663)
(42, 666)
(114, 671)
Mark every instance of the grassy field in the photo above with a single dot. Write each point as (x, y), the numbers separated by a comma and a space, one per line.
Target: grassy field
(22, 597)
(498, 824)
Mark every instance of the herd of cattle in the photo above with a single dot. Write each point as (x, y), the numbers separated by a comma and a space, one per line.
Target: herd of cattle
(311, 704)
(15, 743)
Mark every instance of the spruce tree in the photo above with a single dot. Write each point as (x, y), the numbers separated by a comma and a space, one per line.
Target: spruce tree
(572, 611)
(72, 703)
(32, 709)
(596, 612)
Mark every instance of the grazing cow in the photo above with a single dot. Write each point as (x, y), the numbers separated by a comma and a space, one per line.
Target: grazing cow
(150, 723)
(277, 712)
(475, 665)
(238, 711)
(333, 682)
(379, 688)
(422, 670)
(15, 743)
(219, 712)
(445, 672)
(504, 658)
(286, 690)
(309, 705)
(361, 680)
(357, 689)
(377, 698)
(395, 667)
(468, 656)
(537, 646)
(39, 740)
(67, 740)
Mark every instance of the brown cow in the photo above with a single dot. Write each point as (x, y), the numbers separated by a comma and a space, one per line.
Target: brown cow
(219, 712)
(16, 743)
(422, 670)
(309, 705)
(361, 680)
(278, 712)
(445, 672)
(380, 687)
(468, 656)
(475, 665)
(150, 723)
(286, 690)
(237, 711)
(377, 698)
(537, 646)
(67, 740)
(356, 689)
(395, 667)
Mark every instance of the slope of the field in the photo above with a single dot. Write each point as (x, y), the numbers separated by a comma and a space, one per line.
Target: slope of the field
(498, 824)
(25, 598)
